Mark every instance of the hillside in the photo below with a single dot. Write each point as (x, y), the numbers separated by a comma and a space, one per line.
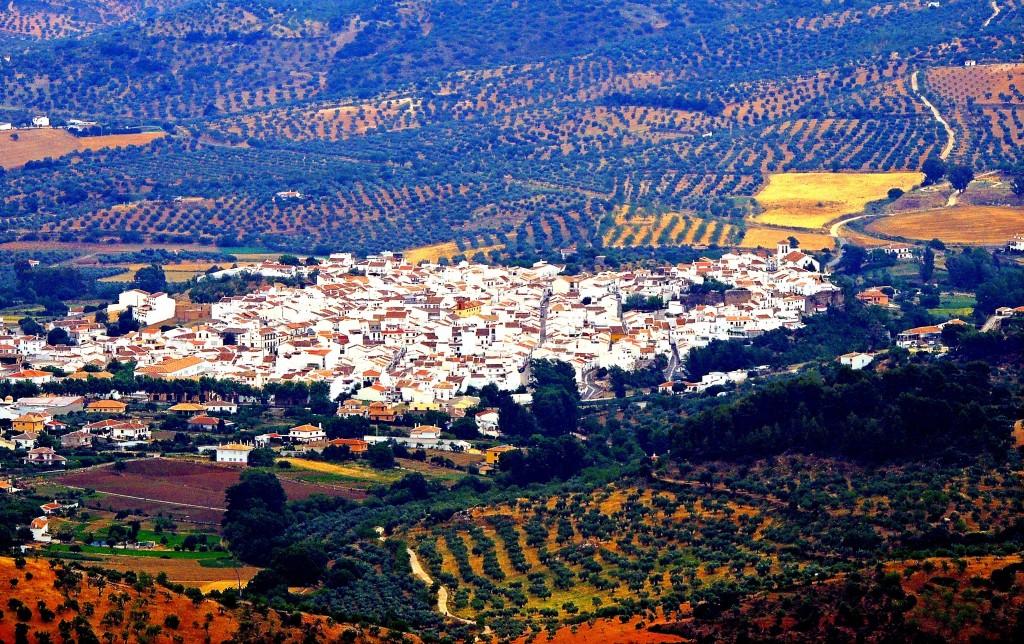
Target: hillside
(89, 605)
(496, 126)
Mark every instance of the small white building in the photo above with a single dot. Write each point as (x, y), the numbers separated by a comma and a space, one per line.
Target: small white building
(6, 126)
(233, 453)
(1016, 244)
(856, 361)
(41, 121)
(425, 431)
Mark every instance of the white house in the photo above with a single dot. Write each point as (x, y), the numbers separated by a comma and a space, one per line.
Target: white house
(40, 528)
(425, 431)
(41, 121)
(856, 361)
(130, 431)
(1016, 244)
(6, 126)
(233, 453)
(900, 251)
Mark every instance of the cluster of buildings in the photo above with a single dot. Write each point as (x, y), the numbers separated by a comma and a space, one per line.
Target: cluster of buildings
(381, 330)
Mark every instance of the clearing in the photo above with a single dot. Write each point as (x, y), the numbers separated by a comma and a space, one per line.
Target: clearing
(36, 145)
(961, 224)
(811, 199)
(447, 249)
(757, 236)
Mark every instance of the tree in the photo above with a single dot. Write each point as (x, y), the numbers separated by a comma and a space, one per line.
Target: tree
(150, 279)
(255, 516)
(380, 456)
(961, 176)
(30, 326)
(262, 457)
(1017, 185)
(927, 264)
(854, 258)
(58, 336)
(289, 260)
(934, 169)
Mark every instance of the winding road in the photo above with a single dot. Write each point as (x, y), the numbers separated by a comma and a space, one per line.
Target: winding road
(995, 12)
(947, 149)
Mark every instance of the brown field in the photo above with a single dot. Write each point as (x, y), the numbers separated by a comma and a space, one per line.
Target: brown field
(960, 224)
(608, 630)
(811, 199)
(160, 484)
(182, 272)
(35, 145)
(769, 237)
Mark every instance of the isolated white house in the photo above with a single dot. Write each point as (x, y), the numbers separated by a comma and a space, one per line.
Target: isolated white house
(856, 361)
(40, 528)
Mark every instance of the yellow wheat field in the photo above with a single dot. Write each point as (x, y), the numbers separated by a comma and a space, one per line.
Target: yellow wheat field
(811, 199)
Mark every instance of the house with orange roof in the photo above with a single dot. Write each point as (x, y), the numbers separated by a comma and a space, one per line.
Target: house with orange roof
(30, 423)
(106, 407)
(34, 376)
(307, 434)
(44, 456)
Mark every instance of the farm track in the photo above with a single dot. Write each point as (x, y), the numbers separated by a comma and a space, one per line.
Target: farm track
(948, 148)
(142, 498)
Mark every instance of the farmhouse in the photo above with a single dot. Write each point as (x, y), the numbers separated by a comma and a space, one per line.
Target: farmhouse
(25, 441)
(493, 455)
(76, 439)
(44, 456)
(7, 487)
(856, 361)
(233, 453)
(306, 434)
(106, 407)
(354, 445)
(41, 121)
(130, 431)
(222, 407)
(6, 126)
(425, 431)
(1016, 244)
(40, 528)
(204, 423)
(873, 297)
(900, 251)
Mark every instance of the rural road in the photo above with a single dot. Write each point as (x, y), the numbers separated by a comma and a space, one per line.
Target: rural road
(938, 117)
(995, 12)
(833, 231)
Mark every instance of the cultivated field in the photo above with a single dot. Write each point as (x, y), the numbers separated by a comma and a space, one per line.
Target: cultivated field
(960, 224)
(159, 484)
(811, 199)
(36, 145)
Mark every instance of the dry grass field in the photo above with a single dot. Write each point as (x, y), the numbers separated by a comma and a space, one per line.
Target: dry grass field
(36, 145)
(769, 237)
(435, 252)
(811, 199)
(958, 225)
(175, 272)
